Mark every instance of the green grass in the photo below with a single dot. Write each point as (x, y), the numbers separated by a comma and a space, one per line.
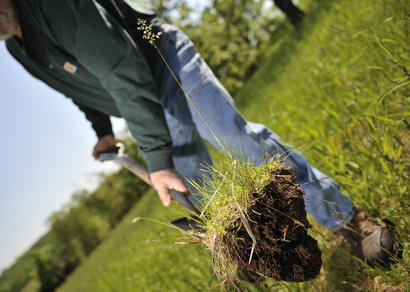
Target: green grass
(142, 256)
(338, 90)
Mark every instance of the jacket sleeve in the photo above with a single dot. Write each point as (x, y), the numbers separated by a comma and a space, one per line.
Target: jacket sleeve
(100, 122)
(86, 31)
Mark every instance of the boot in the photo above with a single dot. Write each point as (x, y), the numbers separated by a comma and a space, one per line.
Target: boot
(371, 239)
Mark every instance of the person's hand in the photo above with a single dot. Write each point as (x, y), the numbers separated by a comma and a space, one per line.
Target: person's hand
(165, 180)
(106, 144)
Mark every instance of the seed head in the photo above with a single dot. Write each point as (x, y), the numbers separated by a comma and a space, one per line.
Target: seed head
(147, 30)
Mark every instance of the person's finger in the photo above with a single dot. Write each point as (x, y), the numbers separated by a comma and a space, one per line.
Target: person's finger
(95, 154)
(181, 188)
(165, 197)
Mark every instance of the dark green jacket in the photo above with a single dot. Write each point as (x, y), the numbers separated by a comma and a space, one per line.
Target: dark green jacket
(82, 51)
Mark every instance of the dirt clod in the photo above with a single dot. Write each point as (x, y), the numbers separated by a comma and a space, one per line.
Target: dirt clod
(284, 250)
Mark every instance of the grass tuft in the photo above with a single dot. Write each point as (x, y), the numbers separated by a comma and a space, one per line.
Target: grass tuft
(228, 192)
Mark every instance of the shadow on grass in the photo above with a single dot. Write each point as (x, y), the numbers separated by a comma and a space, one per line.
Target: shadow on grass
(343, 272)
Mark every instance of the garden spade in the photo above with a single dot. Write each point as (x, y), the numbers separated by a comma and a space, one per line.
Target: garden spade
(142, 172)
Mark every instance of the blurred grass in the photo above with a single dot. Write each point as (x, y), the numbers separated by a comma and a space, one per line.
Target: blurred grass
(338, 90)
(142, 256)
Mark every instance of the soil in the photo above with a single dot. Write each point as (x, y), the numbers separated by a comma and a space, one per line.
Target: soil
(284, 250)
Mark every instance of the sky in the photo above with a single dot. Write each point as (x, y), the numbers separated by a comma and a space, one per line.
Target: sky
(45, 156)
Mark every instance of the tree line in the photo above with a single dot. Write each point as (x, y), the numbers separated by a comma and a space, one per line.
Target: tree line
(77, 229)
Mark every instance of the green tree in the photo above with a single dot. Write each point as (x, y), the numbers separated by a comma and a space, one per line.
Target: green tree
(77, 229)
(76, 225)
(15, 277)
(228, 35)
(50, 269)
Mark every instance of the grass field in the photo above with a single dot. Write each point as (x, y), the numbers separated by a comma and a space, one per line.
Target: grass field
(338, 89)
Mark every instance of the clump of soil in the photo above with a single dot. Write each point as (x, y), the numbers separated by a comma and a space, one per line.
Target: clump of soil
(284, 250)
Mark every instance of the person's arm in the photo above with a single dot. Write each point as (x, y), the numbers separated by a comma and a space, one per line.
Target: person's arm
(162, 180)
(106, 50)
(101, 124)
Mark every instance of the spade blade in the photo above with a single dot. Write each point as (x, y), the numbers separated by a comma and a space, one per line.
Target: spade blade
(186, 224)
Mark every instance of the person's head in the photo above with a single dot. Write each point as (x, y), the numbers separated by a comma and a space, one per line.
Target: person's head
(9, 23)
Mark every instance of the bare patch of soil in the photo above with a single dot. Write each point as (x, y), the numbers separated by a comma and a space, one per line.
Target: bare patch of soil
(284, 250)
